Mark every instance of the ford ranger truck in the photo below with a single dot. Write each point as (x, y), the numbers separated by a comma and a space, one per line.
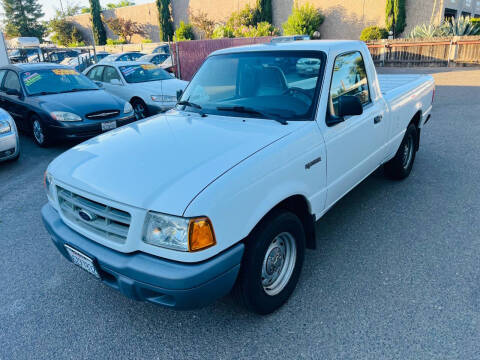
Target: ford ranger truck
(221, 193)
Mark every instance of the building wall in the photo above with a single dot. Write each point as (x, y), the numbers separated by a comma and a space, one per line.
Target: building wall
(344, 19)
(468, 6)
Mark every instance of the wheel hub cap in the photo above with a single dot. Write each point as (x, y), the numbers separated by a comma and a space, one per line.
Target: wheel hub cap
(278, 263)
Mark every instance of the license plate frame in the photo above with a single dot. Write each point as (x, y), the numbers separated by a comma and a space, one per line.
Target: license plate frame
(109, 125)
(83, 261)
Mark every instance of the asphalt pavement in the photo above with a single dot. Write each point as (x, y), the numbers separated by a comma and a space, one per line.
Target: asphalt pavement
(395, 276)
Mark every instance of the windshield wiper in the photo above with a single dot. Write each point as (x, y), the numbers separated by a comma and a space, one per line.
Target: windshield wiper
(46, 93)
(246, 110)
(189, 103)
(76, 90)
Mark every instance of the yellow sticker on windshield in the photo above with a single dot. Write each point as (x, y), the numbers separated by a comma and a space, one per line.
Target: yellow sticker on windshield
(148, 66)
(64, 72)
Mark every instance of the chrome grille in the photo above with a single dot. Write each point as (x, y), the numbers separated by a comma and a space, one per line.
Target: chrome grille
(107, 222)
(105, 114)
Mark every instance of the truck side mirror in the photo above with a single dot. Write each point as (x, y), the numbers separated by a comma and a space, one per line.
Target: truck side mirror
(346, 106)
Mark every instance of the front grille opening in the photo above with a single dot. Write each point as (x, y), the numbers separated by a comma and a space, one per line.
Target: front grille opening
(104, 114)
(102, 220)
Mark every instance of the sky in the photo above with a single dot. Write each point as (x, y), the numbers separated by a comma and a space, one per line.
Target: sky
(49, 6)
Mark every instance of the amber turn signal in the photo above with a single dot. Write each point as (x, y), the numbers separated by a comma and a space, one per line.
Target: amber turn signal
(200, 234)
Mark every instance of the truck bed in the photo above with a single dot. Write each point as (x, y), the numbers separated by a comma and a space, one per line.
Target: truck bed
(391, 83)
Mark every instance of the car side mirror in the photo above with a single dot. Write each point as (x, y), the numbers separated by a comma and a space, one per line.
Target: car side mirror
(179, 94)
(99, 83)
(115, 82)
(14, 92)
(347, 105)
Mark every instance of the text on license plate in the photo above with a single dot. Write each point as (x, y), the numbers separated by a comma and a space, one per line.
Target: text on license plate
(109, 125)
(82, 260)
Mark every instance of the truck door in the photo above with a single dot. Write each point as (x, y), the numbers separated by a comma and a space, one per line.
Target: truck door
(353, 145)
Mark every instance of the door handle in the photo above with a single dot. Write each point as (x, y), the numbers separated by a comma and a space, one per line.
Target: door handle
(377, 119)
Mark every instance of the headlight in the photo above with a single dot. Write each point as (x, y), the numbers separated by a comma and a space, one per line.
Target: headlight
(164, 98)
(65, 116)
(127, 108)
(5, 127)
(178, 233)
(48, 183)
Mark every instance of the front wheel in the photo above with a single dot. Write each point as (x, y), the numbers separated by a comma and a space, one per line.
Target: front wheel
(272, 263)
(40, 135)
(140, 109)
(401, 165)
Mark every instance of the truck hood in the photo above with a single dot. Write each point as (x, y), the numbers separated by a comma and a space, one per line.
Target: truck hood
(163, 162)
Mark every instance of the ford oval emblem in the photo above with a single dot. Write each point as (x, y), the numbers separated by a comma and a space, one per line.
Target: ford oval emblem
(86, 215)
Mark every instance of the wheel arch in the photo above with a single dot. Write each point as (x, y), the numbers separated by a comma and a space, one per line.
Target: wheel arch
(416, 119)
(300, 206)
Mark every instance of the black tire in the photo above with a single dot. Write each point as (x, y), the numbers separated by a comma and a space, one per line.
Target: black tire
(40, 135)
(140, 109)
(249, 289)
(401, 165)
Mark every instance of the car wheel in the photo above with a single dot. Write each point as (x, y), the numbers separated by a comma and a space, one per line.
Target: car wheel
(272, 263)
(40, 135)
(401, 165)
(140, 109)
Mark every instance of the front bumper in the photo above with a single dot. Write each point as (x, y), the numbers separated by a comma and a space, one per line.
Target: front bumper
(9, 146)
(85, 130)
(148, 278)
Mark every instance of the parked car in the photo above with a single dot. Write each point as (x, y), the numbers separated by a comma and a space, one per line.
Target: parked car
(149, 88)
(82, 61)
(162, 49)
(224, 191)
(125, 56)
(308, 67)
(60, 55)
(56, 102)
(163, 60)
(9, 142)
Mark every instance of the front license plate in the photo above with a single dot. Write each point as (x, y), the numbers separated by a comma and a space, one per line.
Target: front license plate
(82, 260)
(109, 125)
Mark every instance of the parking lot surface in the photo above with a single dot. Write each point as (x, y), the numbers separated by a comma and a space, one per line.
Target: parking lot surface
(396, 274)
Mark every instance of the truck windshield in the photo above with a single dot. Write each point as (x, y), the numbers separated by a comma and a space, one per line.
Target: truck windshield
(283, 84)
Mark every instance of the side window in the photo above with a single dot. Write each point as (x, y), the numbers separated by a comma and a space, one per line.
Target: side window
(12, 82)
(110, 73)
(349, 79)
(95, 74)
(2, 74)
(125, 57)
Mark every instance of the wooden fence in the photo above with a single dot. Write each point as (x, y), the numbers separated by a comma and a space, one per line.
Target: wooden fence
(457, 51)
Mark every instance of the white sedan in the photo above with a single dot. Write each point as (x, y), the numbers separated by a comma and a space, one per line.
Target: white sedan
(9, 144)
(149, 88)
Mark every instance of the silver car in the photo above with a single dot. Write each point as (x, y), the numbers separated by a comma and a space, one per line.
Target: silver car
(9, 144)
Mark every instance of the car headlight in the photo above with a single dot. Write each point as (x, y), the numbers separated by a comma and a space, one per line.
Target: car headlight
(65, 116)
(178, 233)
(127, 108)
(5, 127)
(164, 98)
(48, 183)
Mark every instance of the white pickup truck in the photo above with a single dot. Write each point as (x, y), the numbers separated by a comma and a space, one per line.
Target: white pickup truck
(223, 191)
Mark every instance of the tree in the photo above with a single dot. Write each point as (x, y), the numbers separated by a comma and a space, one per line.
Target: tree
(120, 4)
(165, 20)
(264, 11)
(85, 10)
(304, 20)
(22, 18)
(70, 10)
(202, 22)
(125, 28)
(99, 32)
(184, 32)
(65, 33)
(396, 14)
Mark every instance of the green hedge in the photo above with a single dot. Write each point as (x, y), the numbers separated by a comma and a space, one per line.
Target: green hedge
(372, 33)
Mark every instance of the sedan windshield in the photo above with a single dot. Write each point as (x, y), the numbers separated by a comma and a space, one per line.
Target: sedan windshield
(143, 73)
(280, 85)
(55, 81)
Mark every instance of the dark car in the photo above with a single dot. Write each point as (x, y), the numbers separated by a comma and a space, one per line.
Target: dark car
(125, 56)
(59, 56)
(56, 102)
(162, 49)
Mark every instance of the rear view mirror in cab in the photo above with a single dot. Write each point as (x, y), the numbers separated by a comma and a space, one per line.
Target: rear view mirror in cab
(346, 106)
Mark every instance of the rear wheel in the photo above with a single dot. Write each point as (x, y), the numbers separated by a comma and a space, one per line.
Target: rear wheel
(40, 135)
(140, 109)
(401, 165)
(272, 263)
